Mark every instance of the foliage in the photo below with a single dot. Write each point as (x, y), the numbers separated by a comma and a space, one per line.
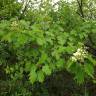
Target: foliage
(42, 42)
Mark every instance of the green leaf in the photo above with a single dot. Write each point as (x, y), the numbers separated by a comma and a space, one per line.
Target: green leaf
(60, 63)
(33, 75)
(92, 60)
(40, 40)
(79, 76)
(7, 37)
(46, 69)
(28, 66)
(42, 58)
(94, 81)
(89, 69)
(69, 64)
(40, 75)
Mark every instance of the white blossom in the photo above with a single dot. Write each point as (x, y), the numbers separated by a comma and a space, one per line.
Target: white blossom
(73, 59)
(14, 24)
(79, 55)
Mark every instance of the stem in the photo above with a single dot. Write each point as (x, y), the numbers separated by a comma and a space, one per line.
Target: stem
(80, 5)
(85, 89)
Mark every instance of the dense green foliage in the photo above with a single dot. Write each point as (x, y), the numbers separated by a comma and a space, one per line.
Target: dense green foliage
(37, 43)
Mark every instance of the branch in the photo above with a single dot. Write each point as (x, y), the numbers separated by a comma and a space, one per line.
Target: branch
(24, 8)
(80, 5)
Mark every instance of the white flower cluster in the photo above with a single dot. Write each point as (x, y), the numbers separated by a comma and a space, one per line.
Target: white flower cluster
(14, 24)
(79, 55)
